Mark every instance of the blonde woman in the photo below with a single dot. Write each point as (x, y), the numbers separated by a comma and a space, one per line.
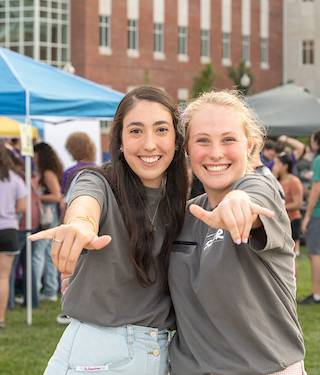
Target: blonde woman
(231, 273)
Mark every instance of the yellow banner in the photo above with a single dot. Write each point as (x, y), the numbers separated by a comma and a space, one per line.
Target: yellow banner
(26, 140)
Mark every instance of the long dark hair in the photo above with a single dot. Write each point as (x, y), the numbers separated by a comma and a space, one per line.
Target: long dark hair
(6, 163)
(316, 139)
(48, 160)
(286, 160)
(131, 195)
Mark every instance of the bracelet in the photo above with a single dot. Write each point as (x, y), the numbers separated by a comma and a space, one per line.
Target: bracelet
(87, 219)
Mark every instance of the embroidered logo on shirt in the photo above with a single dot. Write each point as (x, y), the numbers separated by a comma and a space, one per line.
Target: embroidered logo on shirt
(217, 237)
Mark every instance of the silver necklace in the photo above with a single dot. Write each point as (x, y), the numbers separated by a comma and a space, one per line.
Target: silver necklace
(152, 220)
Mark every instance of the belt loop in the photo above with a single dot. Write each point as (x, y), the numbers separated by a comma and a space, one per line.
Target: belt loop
(130, 334)
(170, 336)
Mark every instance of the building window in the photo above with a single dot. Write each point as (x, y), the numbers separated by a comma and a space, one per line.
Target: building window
(226, 51)
(264, 51)
(182, 40)
(105, 31)
(204, 43)
(308, 52)
(158, 37)
(246, 48)
(132, 34)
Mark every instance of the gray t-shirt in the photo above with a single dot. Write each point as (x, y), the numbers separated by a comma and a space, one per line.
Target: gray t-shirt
(104, 289)
(235, 304)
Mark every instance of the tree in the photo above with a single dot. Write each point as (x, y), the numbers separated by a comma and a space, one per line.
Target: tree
(240, 74)
(204, 81)
(146, 77)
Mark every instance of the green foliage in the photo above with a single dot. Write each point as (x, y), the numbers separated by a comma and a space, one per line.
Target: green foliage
(236, 73)
(309, 317)
(146, 77)
(204, 81)
(26, 350)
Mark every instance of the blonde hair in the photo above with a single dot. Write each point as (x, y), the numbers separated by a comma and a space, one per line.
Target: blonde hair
(232, 99)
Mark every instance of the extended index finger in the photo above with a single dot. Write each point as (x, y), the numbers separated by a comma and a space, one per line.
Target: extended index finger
(258, 210)
(202, 214)
(47, 234)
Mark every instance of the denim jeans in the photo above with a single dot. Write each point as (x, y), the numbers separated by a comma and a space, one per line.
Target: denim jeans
(42, 264)
(128, 350)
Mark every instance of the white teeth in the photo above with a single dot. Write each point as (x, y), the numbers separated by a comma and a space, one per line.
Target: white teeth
(217, 168)
(150, 159)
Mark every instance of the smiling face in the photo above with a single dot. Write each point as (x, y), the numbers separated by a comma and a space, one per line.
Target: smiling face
(148, 141)
(218, 148)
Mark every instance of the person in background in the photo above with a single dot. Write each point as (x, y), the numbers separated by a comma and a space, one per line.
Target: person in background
(122, 315)
(293, 192)
(13, 201)
(83, 150)
(311, 224)
(231, 273)
(50, 170)
(292, 147)
(268, 153)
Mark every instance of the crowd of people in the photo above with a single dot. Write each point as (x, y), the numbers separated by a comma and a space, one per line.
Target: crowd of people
(48, 189)
(215, 280)
(297, 167)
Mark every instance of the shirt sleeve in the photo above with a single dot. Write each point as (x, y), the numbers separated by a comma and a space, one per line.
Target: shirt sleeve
(276, 231)
(21, 189)
(93, 184)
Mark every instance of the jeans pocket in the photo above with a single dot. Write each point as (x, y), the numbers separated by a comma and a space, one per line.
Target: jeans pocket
(99, 350)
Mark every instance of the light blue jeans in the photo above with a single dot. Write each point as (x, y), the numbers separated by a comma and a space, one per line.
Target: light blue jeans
(42, 264)
(128, 350)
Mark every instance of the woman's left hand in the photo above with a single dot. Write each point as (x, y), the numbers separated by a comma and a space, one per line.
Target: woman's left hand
(235, 213)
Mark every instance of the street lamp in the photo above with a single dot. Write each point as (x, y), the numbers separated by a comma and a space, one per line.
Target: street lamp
(69, 68)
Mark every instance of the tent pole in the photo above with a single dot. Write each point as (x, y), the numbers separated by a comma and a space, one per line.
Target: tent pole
(29, 218)
(28, 173)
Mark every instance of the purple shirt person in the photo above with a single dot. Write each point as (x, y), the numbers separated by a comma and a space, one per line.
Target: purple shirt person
(83, 150)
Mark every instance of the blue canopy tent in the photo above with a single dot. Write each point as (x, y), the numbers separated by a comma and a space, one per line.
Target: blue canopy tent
(32, 90)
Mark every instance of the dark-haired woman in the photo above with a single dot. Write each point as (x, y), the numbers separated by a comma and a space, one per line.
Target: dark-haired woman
(50, 171)
(118, 296)
(293, 192)
(13, 200)
(311, 223)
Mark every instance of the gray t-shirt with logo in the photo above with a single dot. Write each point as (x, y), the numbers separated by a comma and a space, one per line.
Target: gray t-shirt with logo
(235, 304)
(104, 289)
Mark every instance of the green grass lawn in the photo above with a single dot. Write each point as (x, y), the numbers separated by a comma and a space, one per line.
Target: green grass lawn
(25, 350)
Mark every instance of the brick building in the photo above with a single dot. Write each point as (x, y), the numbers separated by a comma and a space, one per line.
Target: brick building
(125, 43)
(301, 44)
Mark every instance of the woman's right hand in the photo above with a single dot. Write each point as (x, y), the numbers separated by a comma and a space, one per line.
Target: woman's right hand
(235, 213)
(68, 241)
